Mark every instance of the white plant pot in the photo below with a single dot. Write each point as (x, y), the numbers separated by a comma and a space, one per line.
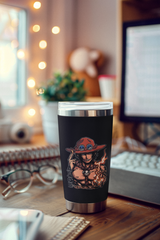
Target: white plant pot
(49, 112)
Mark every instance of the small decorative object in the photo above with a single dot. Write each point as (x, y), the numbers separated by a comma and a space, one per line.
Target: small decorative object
(21, 133)
(13, 131)
(107, 84)
(85, 63)
(62, 87)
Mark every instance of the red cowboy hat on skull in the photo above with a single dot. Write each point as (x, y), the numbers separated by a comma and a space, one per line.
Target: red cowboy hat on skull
(85, 145)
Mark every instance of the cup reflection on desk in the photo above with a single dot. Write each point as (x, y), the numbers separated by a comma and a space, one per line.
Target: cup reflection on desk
(85, 136)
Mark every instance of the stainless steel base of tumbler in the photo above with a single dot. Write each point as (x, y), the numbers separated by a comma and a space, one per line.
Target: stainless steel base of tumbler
(86, 207)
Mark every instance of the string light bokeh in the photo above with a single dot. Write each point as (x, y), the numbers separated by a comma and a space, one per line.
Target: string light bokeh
(37, 5)
(31, 112)
(56, 30)
(36, 28)
(42, 44)
(20, 54)
(42, 65)
(31, 82)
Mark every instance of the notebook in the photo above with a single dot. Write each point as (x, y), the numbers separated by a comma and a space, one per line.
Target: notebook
(28, 157)
(59, 228)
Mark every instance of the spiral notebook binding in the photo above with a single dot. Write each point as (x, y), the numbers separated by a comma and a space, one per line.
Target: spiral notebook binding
(73, 229)
(25, 157)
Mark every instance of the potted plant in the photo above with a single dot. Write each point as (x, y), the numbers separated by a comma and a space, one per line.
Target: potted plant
(62, 87)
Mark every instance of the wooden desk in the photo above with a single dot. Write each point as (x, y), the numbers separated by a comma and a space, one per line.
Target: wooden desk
(122, 219)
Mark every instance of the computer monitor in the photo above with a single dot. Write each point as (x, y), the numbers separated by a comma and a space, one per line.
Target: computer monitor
(140, 86)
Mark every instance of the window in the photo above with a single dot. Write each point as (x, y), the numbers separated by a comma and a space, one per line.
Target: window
(12, 56)
(16, 96)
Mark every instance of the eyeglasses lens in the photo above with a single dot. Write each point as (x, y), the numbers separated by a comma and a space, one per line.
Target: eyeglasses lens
(48, 173)
(19, 180)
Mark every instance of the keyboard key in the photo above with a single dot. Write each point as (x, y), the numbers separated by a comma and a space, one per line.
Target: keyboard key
(158, 165)
(117, 161)
(136, 163)
(146, 158)
(154, 159)
(129, 161)
(139, 156)
(131, 155)
(151, 165)
(142, 163)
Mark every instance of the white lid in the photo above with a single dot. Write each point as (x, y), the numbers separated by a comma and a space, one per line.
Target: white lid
(85, 108)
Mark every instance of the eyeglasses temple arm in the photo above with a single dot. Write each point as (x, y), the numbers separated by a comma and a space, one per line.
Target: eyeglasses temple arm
(6, 191)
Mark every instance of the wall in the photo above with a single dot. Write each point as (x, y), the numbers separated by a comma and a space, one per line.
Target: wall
(60, 13)
(90, 23)
(34, 55)
(96, 28)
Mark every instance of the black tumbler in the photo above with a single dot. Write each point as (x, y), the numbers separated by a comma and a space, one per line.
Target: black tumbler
(85, 136)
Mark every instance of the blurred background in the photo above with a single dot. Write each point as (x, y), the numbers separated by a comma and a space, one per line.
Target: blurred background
(38, 38)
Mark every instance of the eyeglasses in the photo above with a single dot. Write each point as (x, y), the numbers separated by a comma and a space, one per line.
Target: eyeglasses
(20, 180)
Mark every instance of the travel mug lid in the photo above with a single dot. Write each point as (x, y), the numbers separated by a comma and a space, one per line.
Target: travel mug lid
(85, 109)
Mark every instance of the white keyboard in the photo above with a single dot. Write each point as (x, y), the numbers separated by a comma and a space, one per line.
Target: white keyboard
(136, 175)
(137, 162)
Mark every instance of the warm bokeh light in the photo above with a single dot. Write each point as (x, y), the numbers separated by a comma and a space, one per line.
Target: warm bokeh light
(42, 65)
(41, 91)
(24, 212)
(31, 112)
(31, 82)
(37, 92)
(36, 28)
(14, 43)
(55, 30)
(37, 5)
(20, 54)
(42, 44)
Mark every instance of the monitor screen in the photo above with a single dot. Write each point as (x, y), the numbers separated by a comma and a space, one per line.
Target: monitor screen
(140, 87)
